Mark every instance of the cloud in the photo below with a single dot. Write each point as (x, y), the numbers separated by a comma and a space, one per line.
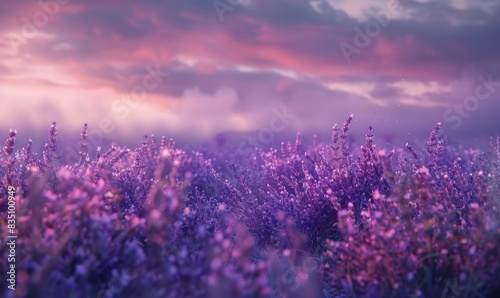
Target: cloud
(229, 75)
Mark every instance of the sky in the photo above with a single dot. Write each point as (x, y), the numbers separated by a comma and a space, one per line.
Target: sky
(194, 70)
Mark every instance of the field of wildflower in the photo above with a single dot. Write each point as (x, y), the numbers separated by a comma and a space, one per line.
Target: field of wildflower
(304, 220)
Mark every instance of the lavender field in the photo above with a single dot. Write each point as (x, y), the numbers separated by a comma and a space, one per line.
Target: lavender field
(250, 148)
(303, 220)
